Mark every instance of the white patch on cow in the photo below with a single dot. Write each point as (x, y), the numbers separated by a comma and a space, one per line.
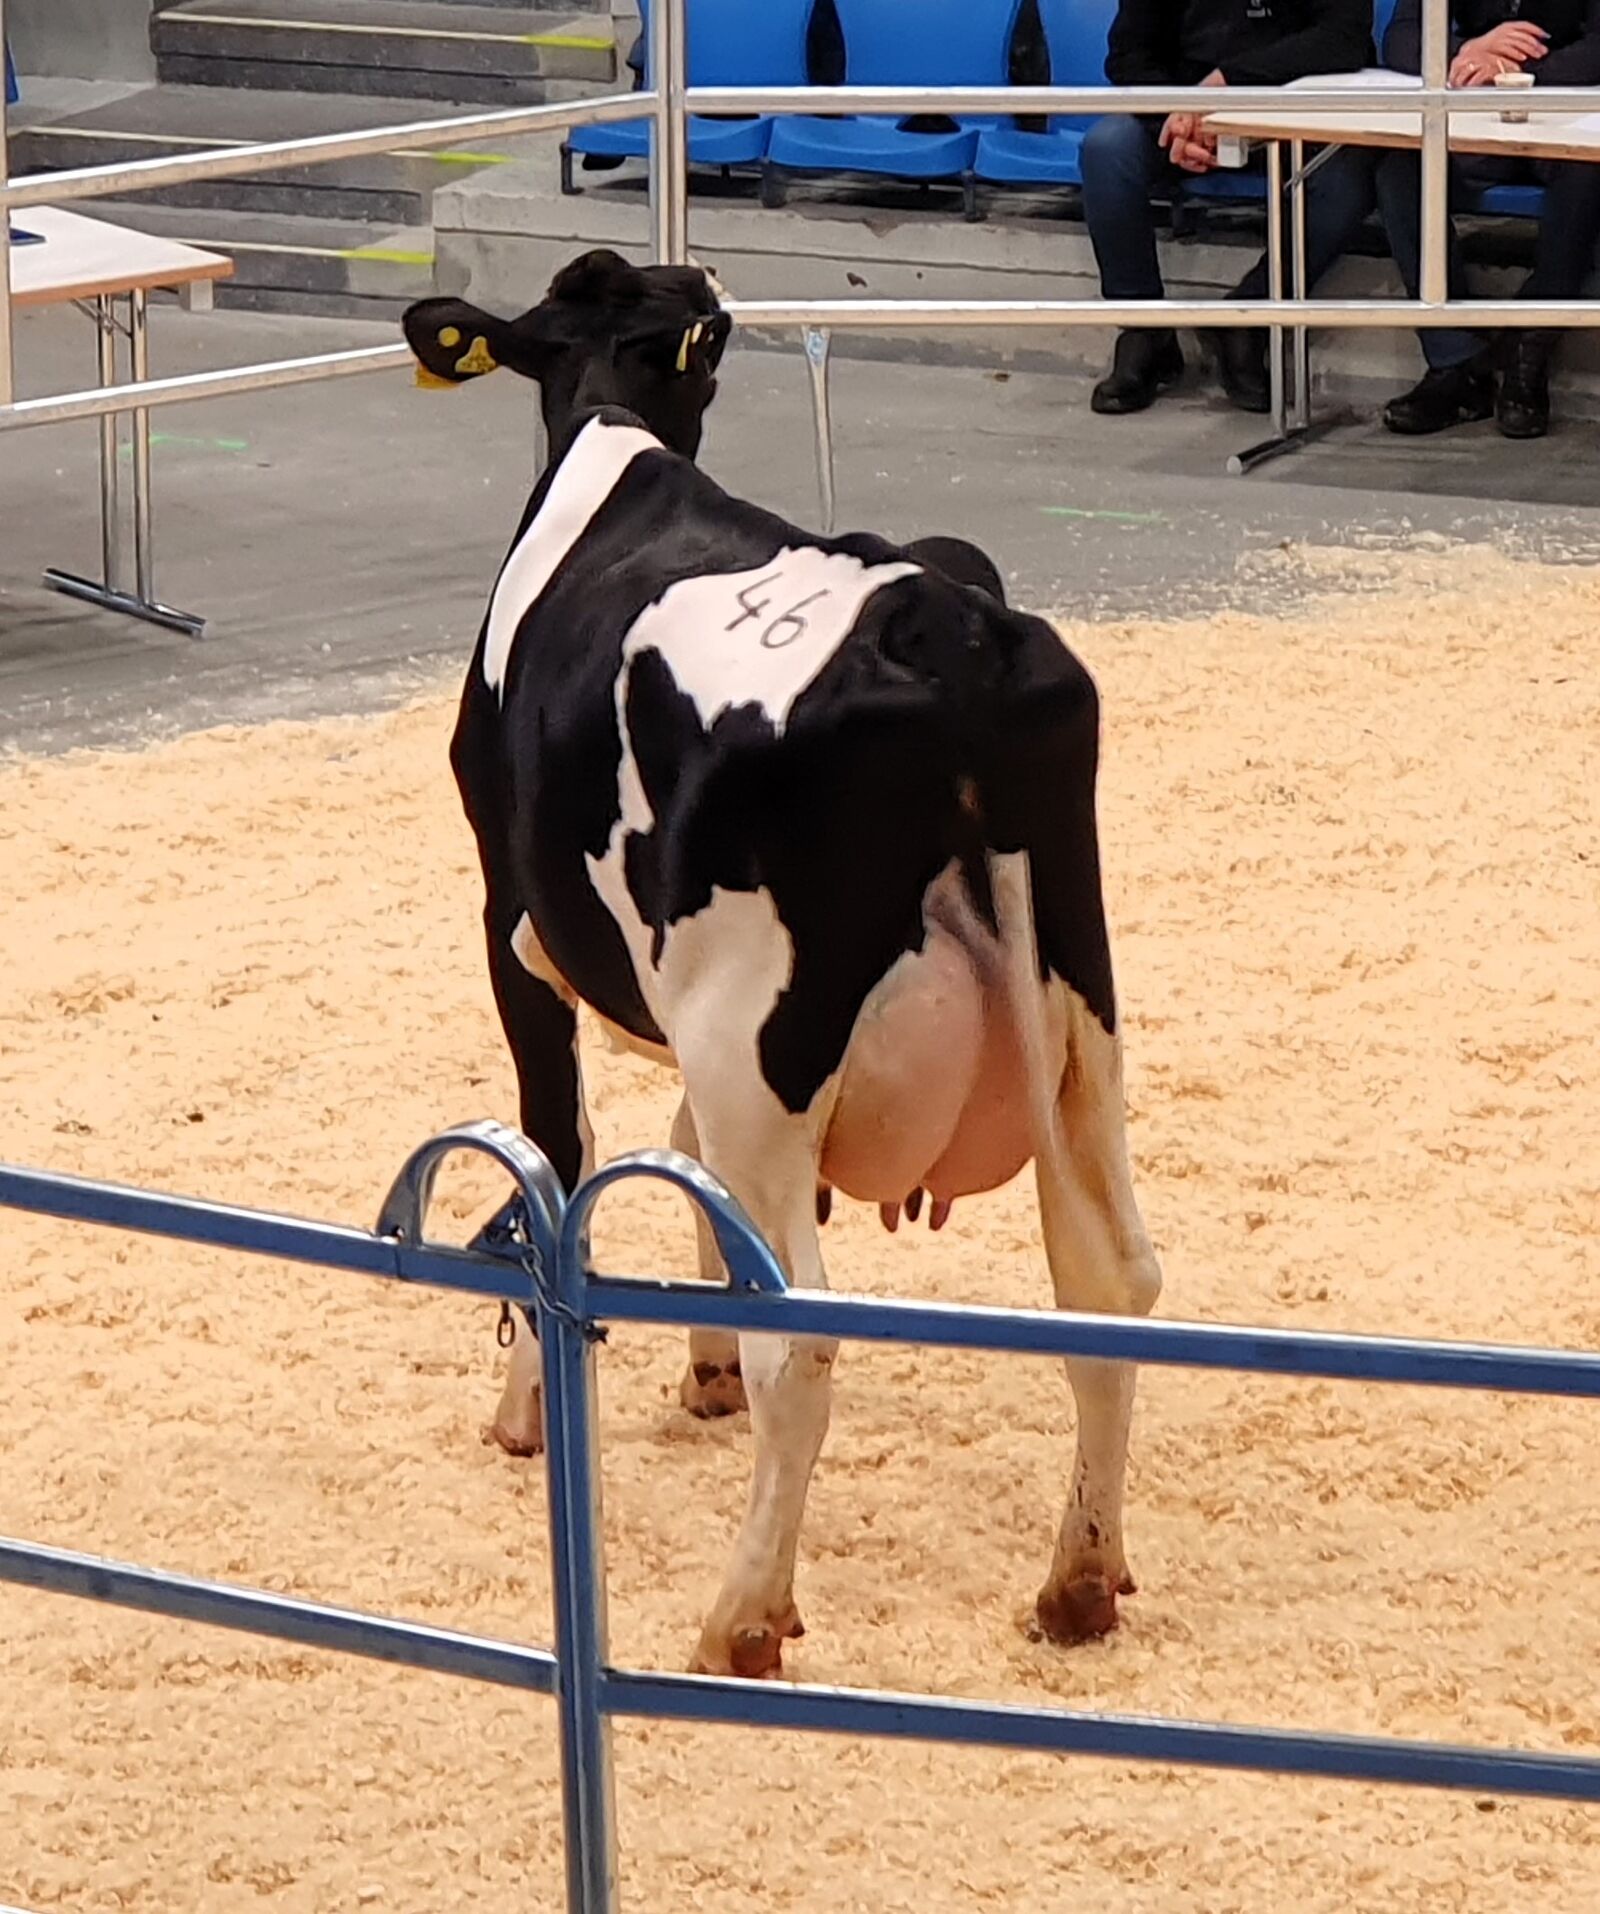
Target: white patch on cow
(584, 480)
(756, 637)
(531, 954)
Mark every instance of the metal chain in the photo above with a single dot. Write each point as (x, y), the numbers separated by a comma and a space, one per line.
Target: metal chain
(509, 1230)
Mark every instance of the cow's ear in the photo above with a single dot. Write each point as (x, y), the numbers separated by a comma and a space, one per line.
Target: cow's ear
(453, 341)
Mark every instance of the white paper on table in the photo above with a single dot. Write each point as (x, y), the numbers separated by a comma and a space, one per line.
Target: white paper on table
(1365, 77)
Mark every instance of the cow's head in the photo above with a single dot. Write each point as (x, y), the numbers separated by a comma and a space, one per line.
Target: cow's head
(648, 339)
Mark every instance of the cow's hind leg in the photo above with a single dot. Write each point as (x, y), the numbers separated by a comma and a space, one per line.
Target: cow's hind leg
(1100, 1260)
(713, 1384)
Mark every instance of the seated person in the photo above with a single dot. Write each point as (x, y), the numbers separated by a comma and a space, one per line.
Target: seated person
(1558, 42)
(1127, 158)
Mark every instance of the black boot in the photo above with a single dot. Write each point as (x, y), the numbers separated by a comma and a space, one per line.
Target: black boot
(1241, 357)
(1522, 410)
(1144, 364)
(1444, 396)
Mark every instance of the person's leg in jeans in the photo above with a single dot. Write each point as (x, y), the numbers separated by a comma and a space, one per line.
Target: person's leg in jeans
(1569, 230)
(1457, 387)
(1121, 164)
(1339, 195)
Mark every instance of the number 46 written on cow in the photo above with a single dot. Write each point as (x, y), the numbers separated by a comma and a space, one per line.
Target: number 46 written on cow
(790, 623)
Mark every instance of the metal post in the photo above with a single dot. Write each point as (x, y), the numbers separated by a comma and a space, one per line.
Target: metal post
(105, 322)
(1275, 280)
(818, 340)
(139, 371)
(7, 364)
(669, 149)
(578, 1573)
(1297, 236)
(1435, 278)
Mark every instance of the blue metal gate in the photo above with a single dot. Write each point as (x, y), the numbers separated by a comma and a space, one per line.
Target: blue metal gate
(536, 1254)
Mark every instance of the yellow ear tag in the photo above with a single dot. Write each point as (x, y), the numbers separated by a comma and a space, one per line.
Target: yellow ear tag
(431, 382)
(690, 339)
(450, 336)
(478, 359)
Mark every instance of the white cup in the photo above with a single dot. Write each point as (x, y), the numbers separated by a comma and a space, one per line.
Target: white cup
(1514, 82)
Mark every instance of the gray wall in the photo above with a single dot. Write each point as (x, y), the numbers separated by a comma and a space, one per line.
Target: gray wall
(90, 39)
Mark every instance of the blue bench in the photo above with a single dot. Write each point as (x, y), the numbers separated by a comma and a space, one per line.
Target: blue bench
(953, 43)
(1075, 35)
(730, 43)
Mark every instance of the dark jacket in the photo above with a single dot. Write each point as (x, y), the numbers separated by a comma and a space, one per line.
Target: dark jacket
(1253, 42)
(1573, 26)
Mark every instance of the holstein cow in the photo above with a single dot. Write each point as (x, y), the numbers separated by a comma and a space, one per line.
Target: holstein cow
(815, 823)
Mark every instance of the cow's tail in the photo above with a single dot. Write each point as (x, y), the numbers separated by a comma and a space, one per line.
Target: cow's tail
(1044, 1051)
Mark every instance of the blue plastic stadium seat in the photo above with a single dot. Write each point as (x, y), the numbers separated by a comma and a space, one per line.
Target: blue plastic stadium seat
(731, 43)
(953, 43)
(1519, 202)
(1075, 32)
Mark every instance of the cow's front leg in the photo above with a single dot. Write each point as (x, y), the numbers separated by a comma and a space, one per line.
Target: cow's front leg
(768, 1160)
(541, 1026)
(713, 1384)
(1100, 1260)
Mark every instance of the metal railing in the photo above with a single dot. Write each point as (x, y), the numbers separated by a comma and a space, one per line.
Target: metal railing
(543, 1264)
(668, 104)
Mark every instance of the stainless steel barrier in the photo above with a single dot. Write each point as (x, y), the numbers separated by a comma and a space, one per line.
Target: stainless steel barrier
(544, 1263)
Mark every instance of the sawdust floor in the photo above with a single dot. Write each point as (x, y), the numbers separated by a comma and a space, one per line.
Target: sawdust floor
(1354, 865)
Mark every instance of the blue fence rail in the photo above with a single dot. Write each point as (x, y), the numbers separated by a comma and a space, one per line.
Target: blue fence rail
(537, 1255)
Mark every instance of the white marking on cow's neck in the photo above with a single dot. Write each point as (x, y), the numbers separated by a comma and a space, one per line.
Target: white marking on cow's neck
(756, 637)
(584, 480)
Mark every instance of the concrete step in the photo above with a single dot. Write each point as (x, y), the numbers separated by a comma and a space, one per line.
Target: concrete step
(282, 264)
(403, 49)
(162, 121)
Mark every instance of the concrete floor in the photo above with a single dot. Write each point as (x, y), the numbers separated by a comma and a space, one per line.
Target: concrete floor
(341, 538)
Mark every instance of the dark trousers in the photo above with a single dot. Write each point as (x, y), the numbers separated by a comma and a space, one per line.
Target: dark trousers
(1123, 166)
(1569, 229)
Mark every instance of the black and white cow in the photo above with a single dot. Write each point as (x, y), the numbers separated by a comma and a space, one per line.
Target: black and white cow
(815, 823)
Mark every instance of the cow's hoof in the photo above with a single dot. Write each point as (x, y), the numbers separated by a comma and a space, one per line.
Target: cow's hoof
(1078, 1611)
(516, 1442)
(752, 1653)
(710, 1390)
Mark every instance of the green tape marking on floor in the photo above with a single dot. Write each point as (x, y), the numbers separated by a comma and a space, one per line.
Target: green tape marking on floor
(202, 445)
(1116, 518)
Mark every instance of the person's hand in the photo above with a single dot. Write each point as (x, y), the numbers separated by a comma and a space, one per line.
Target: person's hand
(1187, 144)
(1197, 155)
(1506, 48)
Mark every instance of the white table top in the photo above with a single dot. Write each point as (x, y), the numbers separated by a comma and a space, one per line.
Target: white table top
(1541, 136)
(82, 258)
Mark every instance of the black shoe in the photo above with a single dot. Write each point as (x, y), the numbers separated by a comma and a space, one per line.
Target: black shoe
(1143, 366)
(1444, 396)
(1522, 410)
(1241, 357)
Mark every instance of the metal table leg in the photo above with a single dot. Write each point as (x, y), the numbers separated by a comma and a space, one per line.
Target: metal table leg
(1287, 435)
(110, 592)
